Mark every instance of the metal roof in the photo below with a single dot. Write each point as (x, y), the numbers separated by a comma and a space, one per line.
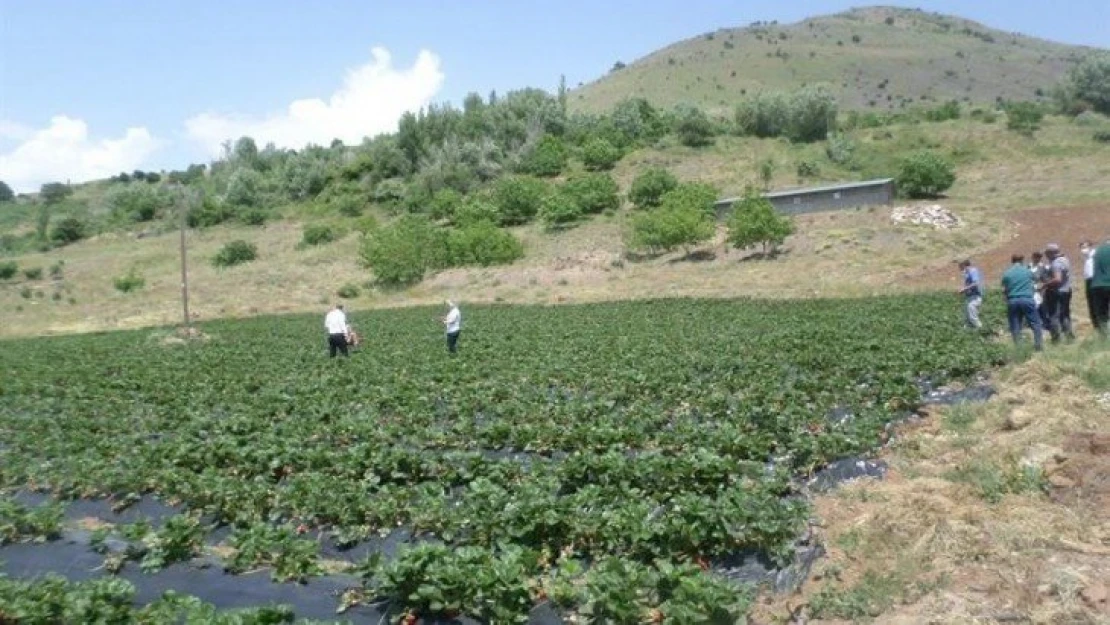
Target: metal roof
(806, 190)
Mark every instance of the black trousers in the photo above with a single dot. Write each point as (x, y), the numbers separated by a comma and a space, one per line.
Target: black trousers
(337, 342)
(1058, 310)
(1090, 303)
(1100, 298)
(452, 342)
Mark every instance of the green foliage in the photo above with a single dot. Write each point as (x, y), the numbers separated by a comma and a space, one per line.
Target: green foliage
(548, 158)
(290, 558)
(68, 230)
(54, 192)
(1089, 82)
(766, 172)
(840, 149)
(1024, 117)
(948, 111)
(695, 196)
(19, 523)
(6, 193)
(211, 212)
(754, 220)
(57, 270)
(403, 252)
(807, 169)
(518, 198)
(349, 291)
(476, 209)
(445, 204)
(389, 193)
(649, 186)
(592, 193)
(993, 481)
(682, 221)
(805, 115)
(318, 234)
(693, 127)
(482, 244)
(235, 253)
(925, 175)
(600, 155)
(559, 209)
(244, 189)
(1102, 136)
(136, 202)
(132, 281)
(8, 269)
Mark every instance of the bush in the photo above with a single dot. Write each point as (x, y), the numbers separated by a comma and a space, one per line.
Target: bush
(600, 155)
(389, 193)
(403, 252)
(593, 193)
(665, 228)
(366, 225)
(925, 175)
(840, 150)
(211, 212)
(518, 198)
(804, 115)
(130, 282)
(693, 127)
(755, 221)
(348, 291)
(1089, 82)
(548, 158)
(445, 203)
(68, 230)
(1102, 136)
(1090, 119)
(33, 273)
(253, 216)
(807, 169)
(475, 209)
(349, 205)
(8, 270)
(558, 209)
(649, 186)
(482, 244)
(136, 202)
(235, 253)
(947, 111)
(57, 270)
(1024, 117)
(54, 192)
(691, 195)
(318, 234)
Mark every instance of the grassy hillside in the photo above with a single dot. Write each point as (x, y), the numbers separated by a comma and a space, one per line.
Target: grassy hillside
(879, 57)
(861, 252)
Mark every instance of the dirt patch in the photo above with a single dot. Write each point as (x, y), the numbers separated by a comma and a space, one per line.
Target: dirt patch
(1084, 473)
(1032, 230)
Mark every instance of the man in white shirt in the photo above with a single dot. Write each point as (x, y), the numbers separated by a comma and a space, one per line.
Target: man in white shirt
(452, 323)
(1087, 254)
(336, 324)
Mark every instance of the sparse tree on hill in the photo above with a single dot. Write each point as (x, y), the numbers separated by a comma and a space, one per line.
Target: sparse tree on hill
(754, 220)
(925, 175)
(1089, 83)
(1024, 117)
(6, 193)
(693, 127)
(650, 185)
(600, 155)
(54, 192)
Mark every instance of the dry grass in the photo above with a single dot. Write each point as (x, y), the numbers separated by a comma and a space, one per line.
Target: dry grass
(944, 540)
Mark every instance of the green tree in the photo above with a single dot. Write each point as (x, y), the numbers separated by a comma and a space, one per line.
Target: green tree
(925, 175)
(754, 220)
(54, 192)
(245, 153)
(136, 202)
(558, 209)
(68, 230)
(244, 188)
(692, 195)
(6, 193)
(1024, 117)
(547, 159)
(600, 155)
(649, 186)
(518, 198)
(403, 252)
(444, 204)
(482, 244)
(666, 228)
(1089, 82)
(475, 209)
(693, 127)
(766, 173)
(593, 192)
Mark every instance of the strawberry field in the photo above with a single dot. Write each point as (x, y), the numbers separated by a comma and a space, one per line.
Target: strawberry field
(596, 459)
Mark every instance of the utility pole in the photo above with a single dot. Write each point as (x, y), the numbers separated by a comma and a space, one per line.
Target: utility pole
(189, 201)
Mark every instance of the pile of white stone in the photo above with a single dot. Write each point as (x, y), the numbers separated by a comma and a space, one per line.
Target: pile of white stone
(934, 215)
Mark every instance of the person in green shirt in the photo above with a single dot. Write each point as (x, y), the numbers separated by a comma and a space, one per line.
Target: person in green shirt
(1100, 288)
(1018, 285)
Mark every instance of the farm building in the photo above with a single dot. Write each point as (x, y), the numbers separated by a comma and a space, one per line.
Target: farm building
(832, 197)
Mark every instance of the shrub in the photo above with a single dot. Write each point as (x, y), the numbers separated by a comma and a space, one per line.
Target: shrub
(366, 225)
(475, 209)
(1089, 82)
(593, 193)
(244, 188)
(8, 269)
(389, 193)
(558, 209)
(54, 192)
(1024, 117)
(600, 155)
(1102, 136)
(253, 216)
(482, 244)
(925, 175)
(68, 230)
(235, 253)
(445, 203)
(840, 150)
(807, 169)
(691, 195)
(403, 252)
(136, 202)
(755, 221)
(548, 158)
(804, 115)
(211, 212)
(667, 227)
(518, 198)
(26, 292)
(57, 270)
(132, 281)
(318, 234)
(1090, 118)
(348, 205)
(649, 186)
(947, 111)
(33, 273)
(693, 127)
(348, 291)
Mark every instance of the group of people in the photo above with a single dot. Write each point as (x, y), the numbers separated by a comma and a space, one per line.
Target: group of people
(342, 335)
(1039, 293)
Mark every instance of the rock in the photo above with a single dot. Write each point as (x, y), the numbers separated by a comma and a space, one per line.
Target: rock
(935, 215)
(1017, 420)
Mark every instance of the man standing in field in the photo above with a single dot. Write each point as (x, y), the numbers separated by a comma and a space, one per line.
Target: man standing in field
(452, 323)
(1100, 287)
(336, 324)
(972, 291)
(1057, 294)
(1019, 288)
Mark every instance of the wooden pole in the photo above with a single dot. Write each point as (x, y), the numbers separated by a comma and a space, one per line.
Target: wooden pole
(186, 205)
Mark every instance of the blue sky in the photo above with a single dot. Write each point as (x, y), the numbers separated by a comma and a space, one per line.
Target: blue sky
(91, 87)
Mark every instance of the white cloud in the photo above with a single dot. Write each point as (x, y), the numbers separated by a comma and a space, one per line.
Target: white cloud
(63, 151)
(369, 102)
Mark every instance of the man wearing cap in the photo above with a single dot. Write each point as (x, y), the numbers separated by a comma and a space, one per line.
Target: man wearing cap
(1057, 294)
(972, 291)
(1100, 287)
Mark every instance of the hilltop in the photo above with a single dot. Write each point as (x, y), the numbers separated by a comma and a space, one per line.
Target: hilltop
(876, 57)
